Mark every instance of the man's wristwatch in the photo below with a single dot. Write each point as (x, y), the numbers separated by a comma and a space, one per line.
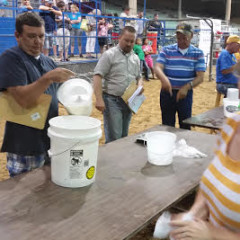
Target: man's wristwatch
(191, 85)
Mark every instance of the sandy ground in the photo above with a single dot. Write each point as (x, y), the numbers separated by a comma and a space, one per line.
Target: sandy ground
(148, 115)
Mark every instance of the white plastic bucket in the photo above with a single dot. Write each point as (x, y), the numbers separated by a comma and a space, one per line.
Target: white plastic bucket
(76, 96)
(160, 146)
(230, 107)
(74, 149)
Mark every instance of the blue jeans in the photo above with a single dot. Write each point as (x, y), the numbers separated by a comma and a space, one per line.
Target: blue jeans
(169, 108)
(117, 117)
(222, 88)
(144, 65)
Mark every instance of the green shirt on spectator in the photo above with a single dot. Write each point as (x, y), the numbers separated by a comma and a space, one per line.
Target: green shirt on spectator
(138, 50)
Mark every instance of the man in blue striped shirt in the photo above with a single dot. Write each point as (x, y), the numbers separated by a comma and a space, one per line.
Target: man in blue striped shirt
(180, 67)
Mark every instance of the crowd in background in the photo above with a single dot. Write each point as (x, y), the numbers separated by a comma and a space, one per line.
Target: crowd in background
(67, 28)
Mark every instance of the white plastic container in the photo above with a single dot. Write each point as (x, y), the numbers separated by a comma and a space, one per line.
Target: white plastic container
(230, 107)
(74, 150)
(76, 96)
(160, 146)
(232, 94)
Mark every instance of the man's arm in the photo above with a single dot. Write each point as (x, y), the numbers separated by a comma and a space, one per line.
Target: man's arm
(27, 95)
(97, 86)
(45, 8)
(166, 85)
(229, 70)
(182, 93)
(56, 12)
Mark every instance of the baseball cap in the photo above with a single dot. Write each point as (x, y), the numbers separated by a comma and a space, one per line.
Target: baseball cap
(233, 39)
(184, 28)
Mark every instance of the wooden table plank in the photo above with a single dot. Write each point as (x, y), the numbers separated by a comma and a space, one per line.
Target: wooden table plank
(212, 119)
(128, 193)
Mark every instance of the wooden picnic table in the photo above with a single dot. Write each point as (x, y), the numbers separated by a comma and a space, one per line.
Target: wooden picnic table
(211, 119)
(127, 194)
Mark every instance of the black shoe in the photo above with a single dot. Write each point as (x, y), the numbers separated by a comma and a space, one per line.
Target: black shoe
(71, 55)
(81, 56)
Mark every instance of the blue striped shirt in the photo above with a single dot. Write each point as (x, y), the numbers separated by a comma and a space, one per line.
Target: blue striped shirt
(181, 69)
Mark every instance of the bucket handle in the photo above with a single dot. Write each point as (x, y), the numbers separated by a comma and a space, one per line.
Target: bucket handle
(60, 153)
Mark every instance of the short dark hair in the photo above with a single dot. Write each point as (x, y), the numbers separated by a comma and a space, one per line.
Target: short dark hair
(126, 8)
(128, 29)
(61, 4)
(28, 18)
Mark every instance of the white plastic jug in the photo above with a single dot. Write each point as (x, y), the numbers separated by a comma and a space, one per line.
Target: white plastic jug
(74, 149)
(76, 96)
(160, 146)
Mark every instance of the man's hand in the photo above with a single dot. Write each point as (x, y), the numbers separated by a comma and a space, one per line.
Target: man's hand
(191, 230)
(59, 75)
(182, 93)
(100, 105)
(166, 86)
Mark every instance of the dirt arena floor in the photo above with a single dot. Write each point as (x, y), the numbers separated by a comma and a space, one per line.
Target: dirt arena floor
(148, 115)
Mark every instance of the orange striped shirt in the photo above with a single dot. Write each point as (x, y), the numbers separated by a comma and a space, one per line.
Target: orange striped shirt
(220, 183)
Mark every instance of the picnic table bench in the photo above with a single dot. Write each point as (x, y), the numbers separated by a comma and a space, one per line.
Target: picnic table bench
(127, 194)
(211, 119)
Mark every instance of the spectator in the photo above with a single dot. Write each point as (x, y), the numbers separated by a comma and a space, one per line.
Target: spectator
(118, 66)
(125, 14)
(3, 12)
(91, 40)
(215, 211)
(103, 28)
(115, 30)
(63, 31)
(180, 67)
(109, 39)
(26, 74)
(140, 25)
(225, 65)
(155, 25)
(139, 51)
(148, 58)
(48, 13)
(76, 31)
(25, 6)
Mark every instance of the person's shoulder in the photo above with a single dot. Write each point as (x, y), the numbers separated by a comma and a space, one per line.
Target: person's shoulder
(195, 49)
(170, 47)
(13, 52)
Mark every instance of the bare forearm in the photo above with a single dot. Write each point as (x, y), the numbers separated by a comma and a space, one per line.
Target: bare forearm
(58, 13)
(140, 82)
(229, 70)
(199, 208)
(198, 79)
(27, 95)
(97, 86)
(160, 74)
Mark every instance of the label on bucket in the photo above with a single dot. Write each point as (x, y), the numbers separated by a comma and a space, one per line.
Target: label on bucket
(90, 172)
(77, 164)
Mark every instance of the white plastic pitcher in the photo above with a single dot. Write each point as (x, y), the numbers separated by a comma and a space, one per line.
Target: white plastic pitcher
(160, 146)
(76, 96)
(74, 149)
